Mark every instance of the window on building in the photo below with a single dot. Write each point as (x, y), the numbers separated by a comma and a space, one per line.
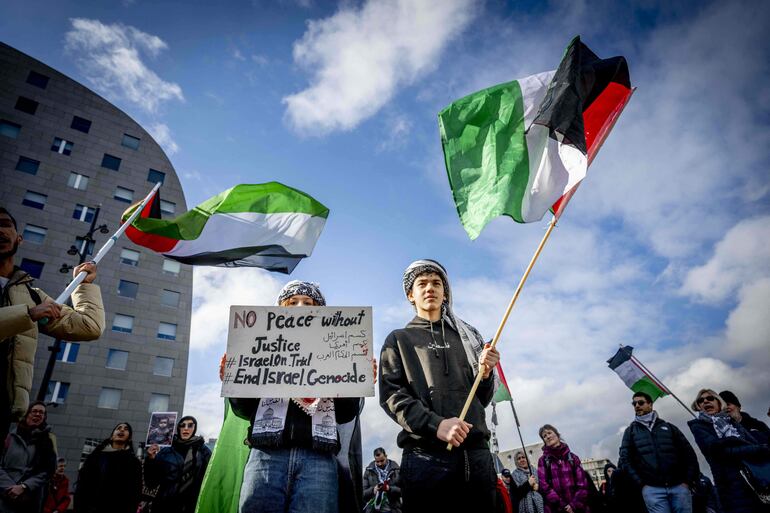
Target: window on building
(169, 298)
(128, 289)
(163, 366)
(27, 165)
(34, 234)
(81, 124)
(62, 146)
(37, 79)
(123, 323)
(110, 162)
(117, 359)
(68, 352)
(57, 392)
(129, 257)
(158, 402)
(27, 105)
(155, 176)
(84, 247)
(167, 207)
(34, 268)
(83, 213)
(9, 129)
(167, 331)
(123, 194)
(171, 267)
(109, 398)
(34, 200)
(129, 141)
(78, 181)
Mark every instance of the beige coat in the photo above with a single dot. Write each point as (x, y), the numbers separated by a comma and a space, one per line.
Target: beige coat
(84, 321)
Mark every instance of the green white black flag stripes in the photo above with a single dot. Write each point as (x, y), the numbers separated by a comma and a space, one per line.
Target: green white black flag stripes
(634, 375)
(269, 225)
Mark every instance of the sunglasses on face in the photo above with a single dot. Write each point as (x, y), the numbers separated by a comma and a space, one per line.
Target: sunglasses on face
(187, 425)
(709, 398)
(640, 402)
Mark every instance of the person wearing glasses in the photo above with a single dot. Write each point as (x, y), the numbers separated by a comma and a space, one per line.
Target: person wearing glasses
(177, 470)
(728, 448)
(657, 457)
(28, 460)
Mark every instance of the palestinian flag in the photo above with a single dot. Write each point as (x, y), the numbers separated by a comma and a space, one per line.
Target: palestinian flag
(269, 225)
(634, 375)
(521, 148)
(503, 393)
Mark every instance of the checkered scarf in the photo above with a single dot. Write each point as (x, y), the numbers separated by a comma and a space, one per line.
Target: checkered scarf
(302, 288)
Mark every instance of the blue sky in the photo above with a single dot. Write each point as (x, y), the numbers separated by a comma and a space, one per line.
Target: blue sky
(664, 247)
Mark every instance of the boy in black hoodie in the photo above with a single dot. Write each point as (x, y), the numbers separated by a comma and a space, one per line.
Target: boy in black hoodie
(427, 370)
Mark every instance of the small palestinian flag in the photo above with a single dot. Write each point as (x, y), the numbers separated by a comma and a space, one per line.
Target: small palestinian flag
(269, 225)
(521, 148)
(503, 393)
(634, 375)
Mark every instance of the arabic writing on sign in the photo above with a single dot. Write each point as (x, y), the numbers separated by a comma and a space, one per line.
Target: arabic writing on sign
(344, 345)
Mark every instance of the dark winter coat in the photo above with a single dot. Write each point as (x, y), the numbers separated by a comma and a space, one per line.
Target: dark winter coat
(166, 472)
(394, 493)
(661, 457)
(28, 458)
(756, 428)
(725, 456)
(563, 482)
(109, 480)
(425, 378)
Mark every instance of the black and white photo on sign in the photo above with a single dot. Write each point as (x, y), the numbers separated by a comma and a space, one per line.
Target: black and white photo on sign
(162, 428)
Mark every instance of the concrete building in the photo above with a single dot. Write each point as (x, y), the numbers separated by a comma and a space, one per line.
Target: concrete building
(64, 150)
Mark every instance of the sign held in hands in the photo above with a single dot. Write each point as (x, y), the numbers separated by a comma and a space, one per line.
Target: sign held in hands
(303, 351)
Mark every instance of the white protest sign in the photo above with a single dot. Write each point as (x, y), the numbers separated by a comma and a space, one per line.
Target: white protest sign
(303, 351)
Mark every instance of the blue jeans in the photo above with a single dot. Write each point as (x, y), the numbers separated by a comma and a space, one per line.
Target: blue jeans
(667, 499)
(289, 481)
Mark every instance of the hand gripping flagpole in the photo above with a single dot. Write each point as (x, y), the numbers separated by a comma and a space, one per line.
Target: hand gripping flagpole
(558, 209)
(67, 292)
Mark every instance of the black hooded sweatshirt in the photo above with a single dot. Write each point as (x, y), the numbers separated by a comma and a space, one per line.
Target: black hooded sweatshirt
(425, 378)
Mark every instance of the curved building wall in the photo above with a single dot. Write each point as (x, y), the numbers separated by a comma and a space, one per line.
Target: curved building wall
(108, 160)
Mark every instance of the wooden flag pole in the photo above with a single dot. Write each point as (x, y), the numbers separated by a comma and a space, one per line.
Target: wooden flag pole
(523, 280)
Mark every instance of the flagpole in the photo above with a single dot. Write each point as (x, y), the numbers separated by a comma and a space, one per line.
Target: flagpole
(499, 331)
(521, 439)
(67, 292)
(657, 380)
(601, 137)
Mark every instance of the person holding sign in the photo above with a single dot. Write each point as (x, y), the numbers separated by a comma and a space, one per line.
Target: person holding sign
(427, 370)
(291, 466)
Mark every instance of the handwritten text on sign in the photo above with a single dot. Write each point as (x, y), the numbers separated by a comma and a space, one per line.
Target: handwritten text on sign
(303, 351)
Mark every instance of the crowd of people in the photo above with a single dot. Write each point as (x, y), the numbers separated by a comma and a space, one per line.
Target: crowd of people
(297, 462)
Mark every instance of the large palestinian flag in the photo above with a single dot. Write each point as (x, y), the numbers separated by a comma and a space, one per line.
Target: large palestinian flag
(521, 148)
(634, 375)
(269, 225)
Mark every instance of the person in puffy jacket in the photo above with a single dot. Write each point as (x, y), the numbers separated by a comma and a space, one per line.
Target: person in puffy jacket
(177, 470)
(659, 459)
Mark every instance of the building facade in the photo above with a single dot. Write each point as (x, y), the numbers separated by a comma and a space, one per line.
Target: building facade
(593, 467)
(64, 152)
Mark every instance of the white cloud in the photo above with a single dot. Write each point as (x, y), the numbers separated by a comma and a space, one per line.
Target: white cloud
(397, 129)
(162, 135)
(360, 57)
(742, 255)
(203, 402)
(110, 56)
(241, 286)
(748, 326)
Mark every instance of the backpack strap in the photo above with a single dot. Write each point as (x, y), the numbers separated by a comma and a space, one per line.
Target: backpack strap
(33, 294)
